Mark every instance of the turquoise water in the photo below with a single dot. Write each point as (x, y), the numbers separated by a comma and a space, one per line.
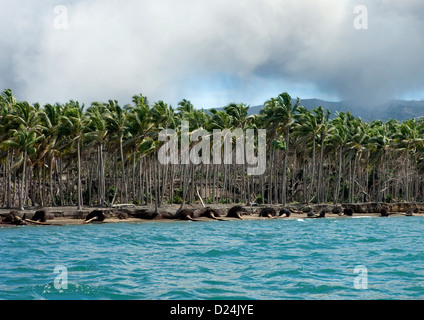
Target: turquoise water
(265, 260)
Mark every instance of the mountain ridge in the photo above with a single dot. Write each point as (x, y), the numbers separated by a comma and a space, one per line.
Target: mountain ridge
(393, 109)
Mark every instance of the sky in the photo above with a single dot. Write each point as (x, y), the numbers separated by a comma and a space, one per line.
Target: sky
(212, 52)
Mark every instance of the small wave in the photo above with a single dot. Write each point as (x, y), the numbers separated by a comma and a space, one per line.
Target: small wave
(176, 295)
(73, 291)
(372, 240)
(313, 289)
(217, 253)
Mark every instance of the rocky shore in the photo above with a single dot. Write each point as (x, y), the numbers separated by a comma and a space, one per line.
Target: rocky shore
(132, 213)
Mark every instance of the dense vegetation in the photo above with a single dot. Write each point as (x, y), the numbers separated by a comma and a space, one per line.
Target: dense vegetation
(69, 154)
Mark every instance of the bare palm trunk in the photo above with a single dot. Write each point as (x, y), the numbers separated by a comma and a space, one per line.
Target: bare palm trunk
(62, 199)
(51, 182)
(22, 193)
(184, 184)
(124, 181)
(311, 188)
(156, 185)
(284, 186)
(407, 174)
(339, 173)
(9, 180)
(79, 196)
(320, 191)
(134, 167)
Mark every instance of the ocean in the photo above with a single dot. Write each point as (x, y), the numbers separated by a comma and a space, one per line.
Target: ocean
(359, 258)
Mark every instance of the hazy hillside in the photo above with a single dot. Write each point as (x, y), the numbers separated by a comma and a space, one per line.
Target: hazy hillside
(396, 109)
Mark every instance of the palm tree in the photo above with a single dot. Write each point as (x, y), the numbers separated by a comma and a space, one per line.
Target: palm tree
(116, 119)
(24, 141)
(379, 145)
(98, 134)
(306, 128)
(7, 103)
(338, 140)
(72, 130)
(140, 124)
(50, 121)
(408, 138)
(278, 115)
(324, 128)
(163, 116)
(221, 120)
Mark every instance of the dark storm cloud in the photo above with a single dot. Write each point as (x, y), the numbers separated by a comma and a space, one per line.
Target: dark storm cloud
(210, 51)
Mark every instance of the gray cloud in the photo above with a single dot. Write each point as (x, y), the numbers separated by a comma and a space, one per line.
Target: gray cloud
(212, 52)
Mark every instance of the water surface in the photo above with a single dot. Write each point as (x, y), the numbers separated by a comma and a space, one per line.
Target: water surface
(265, 260)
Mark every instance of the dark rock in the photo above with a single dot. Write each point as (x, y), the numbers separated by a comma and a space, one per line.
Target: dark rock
(206, 212)
(348, 212)
(268, 213)
(307, 209)
(236, 212)
(285, 211)
(40, 216)
(311, 214)
(121, 215)
(384, 212)
(13, 218)
(98, 214)
(337, 210)
(184, 214)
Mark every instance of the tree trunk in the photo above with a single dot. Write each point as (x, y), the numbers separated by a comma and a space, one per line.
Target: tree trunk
(320, 192)
(185, 183)
(134, 167)
(124, 181)
(9, 181)
(62, 200)
(51, 182)
(156, 184)
(313, 173)
(407, 174)
(79, 196)
(22, 192)
(284, 185)
(337, 187)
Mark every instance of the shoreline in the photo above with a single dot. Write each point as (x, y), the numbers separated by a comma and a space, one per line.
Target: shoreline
(61, 216)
